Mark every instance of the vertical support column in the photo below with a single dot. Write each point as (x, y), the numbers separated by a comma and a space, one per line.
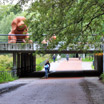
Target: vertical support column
(95, 62)
(26, 58)
(19, 64)
(28, 63)
(14, 65)
(76, 55)
(103, 57)
(34, 62)
(23, 63)
(31, 62)
(100, 64)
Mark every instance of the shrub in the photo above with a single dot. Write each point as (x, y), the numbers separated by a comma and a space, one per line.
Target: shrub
(102, 77)
(40, 61)
(39, 68)
(6, 62)
(6, 76)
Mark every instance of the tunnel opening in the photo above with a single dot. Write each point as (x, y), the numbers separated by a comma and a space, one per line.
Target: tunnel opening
(78, 65)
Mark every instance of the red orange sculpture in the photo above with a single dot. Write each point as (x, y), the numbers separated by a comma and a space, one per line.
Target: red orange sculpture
(46, 41)
(18, 27)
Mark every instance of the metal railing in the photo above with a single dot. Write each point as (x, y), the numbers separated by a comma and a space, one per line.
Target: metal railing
(4, 45)
(16, 46)
(19, 45)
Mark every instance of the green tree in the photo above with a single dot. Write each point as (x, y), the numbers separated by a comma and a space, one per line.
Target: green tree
(3, 10)
(73, 21)
(6, 20)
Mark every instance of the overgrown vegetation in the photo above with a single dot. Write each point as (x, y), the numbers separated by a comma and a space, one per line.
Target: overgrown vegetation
(88, 59)
(40, 61)
(102, 77)
(74, 22)
(6, 64)
(9, 12)
(92, 66)
(6, 76)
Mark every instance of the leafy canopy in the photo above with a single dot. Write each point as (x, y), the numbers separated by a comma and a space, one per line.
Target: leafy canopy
(72, 21)
(8, 13)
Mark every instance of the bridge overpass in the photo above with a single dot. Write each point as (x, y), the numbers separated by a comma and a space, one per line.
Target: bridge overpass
(24, 62)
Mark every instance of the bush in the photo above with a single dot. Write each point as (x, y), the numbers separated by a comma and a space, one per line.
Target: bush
(102, 77)
(39, 68)
(88, 59)
(6, 62)
(40, 61)
(6, 76)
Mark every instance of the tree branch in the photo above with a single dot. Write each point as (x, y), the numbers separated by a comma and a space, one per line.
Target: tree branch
(87, 26)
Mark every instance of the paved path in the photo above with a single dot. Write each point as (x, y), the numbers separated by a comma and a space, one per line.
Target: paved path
(54, 91)
(87, 65)
(72, 64)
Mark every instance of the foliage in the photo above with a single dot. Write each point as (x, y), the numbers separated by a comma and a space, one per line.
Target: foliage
(4, 2)
(6, 62)
(39, 68)
(92, 66)
(73, 22)
(40, 61)
(5, 23)
(3, 10)
(15, 9)
(102, 77)
(6, 76)
(88, 59)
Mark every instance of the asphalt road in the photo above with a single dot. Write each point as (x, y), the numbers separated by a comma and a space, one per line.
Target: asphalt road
(55, 91)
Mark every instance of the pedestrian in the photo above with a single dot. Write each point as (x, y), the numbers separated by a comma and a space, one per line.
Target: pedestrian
(47, 68)
(79, 57)
(67, 57)
(54, 58)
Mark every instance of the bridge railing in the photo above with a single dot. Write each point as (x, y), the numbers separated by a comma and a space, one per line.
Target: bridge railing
(16, 46)
(4, 45)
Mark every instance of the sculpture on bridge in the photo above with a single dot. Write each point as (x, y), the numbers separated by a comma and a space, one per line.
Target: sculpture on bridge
(46, 41)
(19, 27)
